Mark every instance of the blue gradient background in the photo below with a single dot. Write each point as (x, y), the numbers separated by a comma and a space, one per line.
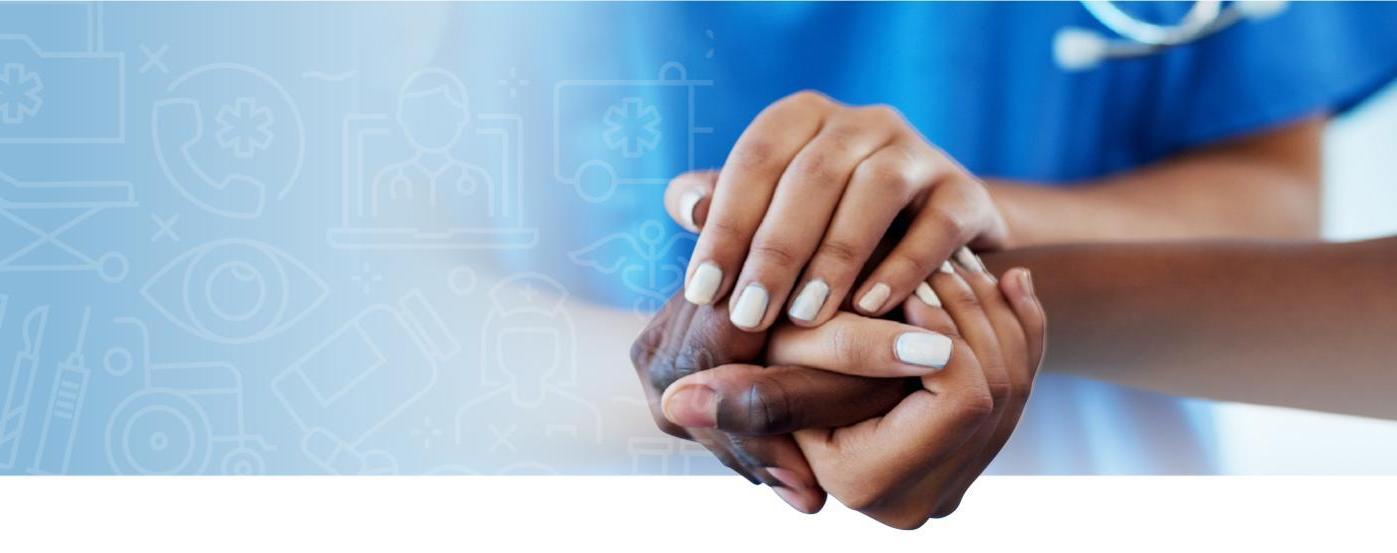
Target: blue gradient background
(293, 329)
(174, 385)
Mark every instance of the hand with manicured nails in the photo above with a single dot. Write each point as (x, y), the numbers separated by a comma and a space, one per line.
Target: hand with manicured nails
(747, 418)
(805, 196)
(894, 420)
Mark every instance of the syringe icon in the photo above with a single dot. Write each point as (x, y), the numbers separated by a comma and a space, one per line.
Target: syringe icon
(65, 406)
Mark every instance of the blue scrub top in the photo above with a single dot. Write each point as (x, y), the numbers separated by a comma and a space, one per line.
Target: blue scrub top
(977, 79)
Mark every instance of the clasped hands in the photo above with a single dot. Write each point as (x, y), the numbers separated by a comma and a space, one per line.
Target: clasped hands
(893, 403)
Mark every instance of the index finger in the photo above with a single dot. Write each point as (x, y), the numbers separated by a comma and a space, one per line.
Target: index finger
(745, 187)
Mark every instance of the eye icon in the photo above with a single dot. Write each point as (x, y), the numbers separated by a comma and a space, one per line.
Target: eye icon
(235, 291)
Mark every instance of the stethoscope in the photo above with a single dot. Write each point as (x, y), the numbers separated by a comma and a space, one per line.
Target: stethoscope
(1076, 49)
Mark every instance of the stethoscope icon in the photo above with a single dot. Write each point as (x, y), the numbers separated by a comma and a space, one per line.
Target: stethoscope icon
(1076, 49)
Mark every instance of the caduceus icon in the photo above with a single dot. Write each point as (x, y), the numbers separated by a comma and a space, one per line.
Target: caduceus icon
(643, 260)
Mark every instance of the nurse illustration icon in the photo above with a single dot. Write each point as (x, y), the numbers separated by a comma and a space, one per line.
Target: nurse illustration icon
(526, 411)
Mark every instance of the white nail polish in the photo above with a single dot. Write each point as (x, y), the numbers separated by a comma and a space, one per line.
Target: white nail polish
(927, 295)
(750, 307)
(704, 284)
(809, 301)
(924, 349)
(947, 268)
(687, 203)
(969, 260)
(875, 297)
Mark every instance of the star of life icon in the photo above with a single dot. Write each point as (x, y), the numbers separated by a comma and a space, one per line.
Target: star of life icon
(632, 126)
(245, 127)
(21, 93)
(57, 85)
(606, 133)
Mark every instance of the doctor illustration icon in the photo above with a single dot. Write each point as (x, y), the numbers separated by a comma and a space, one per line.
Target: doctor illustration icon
(526, 405)
(433, 112)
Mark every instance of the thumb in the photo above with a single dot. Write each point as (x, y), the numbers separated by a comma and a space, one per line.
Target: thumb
(687, 198)
(753, 400)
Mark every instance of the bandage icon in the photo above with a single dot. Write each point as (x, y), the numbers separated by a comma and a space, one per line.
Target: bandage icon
(367, 372)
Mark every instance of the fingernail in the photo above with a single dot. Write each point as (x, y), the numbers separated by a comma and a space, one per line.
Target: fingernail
(791, 498)
(750, 307)
(927, 295)
(923, 348)
(704, 284)
(809, 301)
(693, 406)
(1026, 279)
(687, 203)
(969, 260)
(947, 268)
(787, 490)
(875, 297)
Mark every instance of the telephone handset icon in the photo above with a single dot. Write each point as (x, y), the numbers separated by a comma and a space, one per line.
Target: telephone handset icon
(177, 126)
(229, 138)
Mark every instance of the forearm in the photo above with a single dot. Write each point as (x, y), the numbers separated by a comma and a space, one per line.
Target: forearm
(1302, 325)
(1266, 186)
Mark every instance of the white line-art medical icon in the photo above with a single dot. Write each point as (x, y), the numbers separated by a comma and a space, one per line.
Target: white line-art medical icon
(235, 291)
(185, 415)
(60, 430)
(526, 412)
(604, 129)
(632, 126)
(644, 261)
(19, 387)
(229, 138)
(361, 377)
(425, 191)
(21, 93)
(47, 210)
(61, 93)
(650, 455)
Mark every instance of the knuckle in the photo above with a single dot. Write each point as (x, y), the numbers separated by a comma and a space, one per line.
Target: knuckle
(884, 113)
(960, 296)
(846, 345)
(951, 223)
(867, 495)
(753, 155)
(724, 231)
(885, 171)
(778, 254)
(1000, 393)
(916, 266)
(840, 251)
(948, 507)
(974, 406)
(644, 346)
(818, 169)
(999, 386)
(807, 99)
(765, 408)
(910, 520)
